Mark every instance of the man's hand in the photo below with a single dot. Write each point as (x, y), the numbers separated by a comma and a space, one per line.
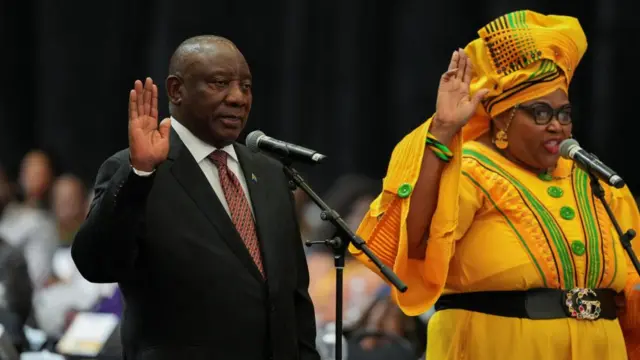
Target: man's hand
(148, 143)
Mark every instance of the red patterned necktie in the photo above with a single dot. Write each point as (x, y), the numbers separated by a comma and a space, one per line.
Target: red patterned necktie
(238, 206)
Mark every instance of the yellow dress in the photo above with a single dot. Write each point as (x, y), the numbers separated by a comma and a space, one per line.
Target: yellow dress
(500, 227)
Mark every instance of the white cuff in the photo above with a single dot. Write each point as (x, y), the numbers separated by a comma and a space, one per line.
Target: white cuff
(142, 173)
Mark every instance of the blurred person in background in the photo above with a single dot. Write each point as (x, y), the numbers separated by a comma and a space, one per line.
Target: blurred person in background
(385, 332)
(16, 294)
(36, 175)
(480, 216)
(16, 288)
(199, 232)
(31, 230)
(68, 293)
(359, 288)
(69, 206)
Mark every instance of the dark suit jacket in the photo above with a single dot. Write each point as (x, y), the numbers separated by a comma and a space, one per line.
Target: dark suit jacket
(190, 286)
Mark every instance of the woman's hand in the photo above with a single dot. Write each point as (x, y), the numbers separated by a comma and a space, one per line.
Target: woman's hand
(454, 106)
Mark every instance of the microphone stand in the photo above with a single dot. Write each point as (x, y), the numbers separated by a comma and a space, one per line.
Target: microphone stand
(625, 238)
(339, 245)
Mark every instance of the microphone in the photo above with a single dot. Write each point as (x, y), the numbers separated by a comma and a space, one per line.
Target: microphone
(570, 149)
(257, 140)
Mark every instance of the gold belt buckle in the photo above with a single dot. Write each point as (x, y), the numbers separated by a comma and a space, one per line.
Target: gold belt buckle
(583, 304)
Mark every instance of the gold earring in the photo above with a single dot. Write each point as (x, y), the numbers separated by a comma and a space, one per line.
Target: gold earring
(501, 140)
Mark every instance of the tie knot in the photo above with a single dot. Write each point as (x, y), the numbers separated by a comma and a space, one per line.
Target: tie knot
(219, 158)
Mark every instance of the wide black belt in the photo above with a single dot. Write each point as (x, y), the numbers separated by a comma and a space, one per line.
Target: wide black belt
(537, 304)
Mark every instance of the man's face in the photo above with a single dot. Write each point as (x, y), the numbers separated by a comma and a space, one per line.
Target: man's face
(216, 94)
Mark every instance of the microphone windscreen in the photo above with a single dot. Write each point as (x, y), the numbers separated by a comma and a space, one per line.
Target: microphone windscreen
(566, 146)
(253, 139)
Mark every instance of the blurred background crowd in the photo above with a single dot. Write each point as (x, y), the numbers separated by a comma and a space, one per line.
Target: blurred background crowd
(347, 78)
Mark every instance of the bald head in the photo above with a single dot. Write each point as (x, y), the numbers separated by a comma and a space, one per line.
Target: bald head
(192, 48)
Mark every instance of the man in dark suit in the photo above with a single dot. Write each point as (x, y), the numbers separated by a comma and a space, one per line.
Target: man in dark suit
(199, 232)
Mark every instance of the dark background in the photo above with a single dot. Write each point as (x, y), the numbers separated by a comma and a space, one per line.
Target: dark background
(348, 78)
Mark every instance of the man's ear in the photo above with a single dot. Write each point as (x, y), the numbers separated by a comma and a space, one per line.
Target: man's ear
(175, 89)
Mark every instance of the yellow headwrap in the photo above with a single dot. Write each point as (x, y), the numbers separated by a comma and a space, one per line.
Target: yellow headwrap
(521, 56)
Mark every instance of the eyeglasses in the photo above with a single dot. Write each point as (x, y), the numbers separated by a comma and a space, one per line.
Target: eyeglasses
(543, 113)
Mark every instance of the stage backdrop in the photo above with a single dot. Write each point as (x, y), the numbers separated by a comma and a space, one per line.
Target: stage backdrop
(346, 77)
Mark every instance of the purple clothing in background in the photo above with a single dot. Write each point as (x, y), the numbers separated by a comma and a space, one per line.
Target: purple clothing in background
(112, 304)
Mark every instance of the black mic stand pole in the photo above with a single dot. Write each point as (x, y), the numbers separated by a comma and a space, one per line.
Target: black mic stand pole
(625, 238)
(339, 246)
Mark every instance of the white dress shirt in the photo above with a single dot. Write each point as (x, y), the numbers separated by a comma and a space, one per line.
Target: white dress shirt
(200, 151)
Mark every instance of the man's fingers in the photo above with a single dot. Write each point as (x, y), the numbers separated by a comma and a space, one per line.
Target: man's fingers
(148, 92)
(138, 86)
(139, 97)
(133, 105)
(164, 128)
(154, 103)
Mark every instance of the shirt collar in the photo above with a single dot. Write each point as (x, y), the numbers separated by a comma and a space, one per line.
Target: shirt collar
(199, 149)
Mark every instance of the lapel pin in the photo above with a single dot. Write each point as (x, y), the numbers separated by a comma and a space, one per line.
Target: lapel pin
(254, 178)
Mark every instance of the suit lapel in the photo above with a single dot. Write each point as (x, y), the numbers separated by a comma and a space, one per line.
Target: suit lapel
(189, 174)
(258, 182)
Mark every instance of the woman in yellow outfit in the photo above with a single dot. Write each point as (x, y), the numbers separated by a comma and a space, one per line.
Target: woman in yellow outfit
(482, 218)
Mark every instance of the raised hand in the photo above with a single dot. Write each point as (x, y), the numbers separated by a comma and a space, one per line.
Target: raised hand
(148, 142)
(455, 106)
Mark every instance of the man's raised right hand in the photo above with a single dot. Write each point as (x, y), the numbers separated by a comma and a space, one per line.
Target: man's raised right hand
(148, 142)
